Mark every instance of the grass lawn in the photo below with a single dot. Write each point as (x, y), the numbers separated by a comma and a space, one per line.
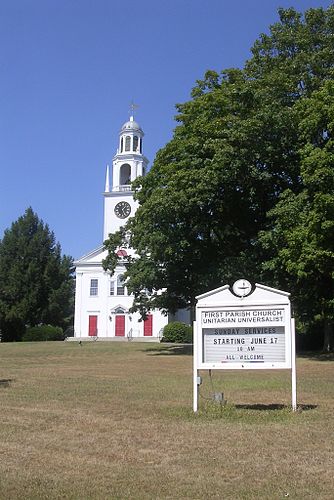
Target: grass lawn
(114, 421)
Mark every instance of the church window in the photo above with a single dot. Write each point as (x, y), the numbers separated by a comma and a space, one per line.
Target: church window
(122, 145)
(125, 174)
(112, 288)
(121, 253)
(120, 285)
(94, 287)
(135, 143)
(127, 143)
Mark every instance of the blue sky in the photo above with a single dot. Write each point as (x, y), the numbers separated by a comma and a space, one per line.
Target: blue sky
(69, 70)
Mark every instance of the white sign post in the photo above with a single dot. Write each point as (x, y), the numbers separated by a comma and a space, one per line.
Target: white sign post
(246, 329)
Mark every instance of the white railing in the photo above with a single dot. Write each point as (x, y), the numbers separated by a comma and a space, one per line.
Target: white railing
(123, 188)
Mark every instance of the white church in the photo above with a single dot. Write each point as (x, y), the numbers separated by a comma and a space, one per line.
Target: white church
(102, 302)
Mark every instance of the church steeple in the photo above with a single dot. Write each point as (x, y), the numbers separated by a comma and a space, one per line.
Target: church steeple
(128, 164)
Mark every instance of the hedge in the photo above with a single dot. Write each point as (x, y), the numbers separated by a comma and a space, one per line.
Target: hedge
(43, 332)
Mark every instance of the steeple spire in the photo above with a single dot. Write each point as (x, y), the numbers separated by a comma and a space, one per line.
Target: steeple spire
(107, 187)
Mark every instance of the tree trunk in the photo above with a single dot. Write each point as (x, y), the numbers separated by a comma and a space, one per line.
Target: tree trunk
(192, 310)
(328, 336)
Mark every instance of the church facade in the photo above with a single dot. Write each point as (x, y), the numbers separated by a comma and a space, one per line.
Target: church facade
(102, 302)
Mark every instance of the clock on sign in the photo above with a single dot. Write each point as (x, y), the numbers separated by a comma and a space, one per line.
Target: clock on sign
(242, 288)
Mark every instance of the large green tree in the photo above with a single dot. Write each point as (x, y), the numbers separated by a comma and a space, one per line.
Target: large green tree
(36, 281)
(237, 149)
(301, 238)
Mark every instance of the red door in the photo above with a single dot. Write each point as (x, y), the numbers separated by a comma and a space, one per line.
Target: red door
(92, 326)
(120, 326)
(148, 324)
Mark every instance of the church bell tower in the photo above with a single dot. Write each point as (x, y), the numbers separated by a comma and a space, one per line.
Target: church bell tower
(128, 164)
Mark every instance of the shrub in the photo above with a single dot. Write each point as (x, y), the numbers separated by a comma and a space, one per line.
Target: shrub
(43, 332)
(178, 333)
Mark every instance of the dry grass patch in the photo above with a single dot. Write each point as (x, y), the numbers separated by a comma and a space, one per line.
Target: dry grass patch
(114, 421)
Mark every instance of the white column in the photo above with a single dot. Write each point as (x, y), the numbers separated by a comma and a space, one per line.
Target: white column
(78, 305)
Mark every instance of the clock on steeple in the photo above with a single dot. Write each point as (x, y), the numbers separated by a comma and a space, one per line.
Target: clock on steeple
(122, 210)
(128, 164)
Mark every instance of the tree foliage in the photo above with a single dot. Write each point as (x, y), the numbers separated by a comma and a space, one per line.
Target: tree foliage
(36, 282)
(301, 239)
(241, 149)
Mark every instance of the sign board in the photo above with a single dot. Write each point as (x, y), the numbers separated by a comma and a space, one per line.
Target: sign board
(242, 336)
(238, 331)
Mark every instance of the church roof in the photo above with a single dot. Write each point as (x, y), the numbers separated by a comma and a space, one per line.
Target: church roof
(94, 257)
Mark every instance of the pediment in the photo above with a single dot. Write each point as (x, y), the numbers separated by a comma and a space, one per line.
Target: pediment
(119, 309)
(94, 257)
(261, 294)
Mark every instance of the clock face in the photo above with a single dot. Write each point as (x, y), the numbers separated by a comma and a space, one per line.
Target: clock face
(242, 288)
(122, 209)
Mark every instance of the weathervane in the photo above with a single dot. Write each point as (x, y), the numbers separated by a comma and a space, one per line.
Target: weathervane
(133, 107)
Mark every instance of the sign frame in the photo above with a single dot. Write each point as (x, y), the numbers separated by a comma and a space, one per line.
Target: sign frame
(225, 314)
